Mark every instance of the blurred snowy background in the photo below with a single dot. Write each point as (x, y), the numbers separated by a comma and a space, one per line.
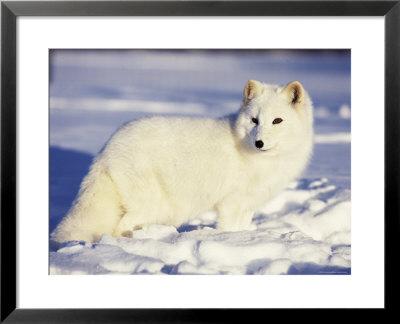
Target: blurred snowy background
(305, 230)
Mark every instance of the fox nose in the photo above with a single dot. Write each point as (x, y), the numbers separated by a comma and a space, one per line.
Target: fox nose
(259, 144)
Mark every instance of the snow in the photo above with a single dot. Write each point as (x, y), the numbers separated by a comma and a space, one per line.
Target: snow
(306, 229)
(332, 138)
(344, 111)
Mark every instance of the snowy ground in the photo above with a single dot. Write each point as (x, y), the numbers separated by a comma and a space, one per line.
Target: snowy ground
(304, 230)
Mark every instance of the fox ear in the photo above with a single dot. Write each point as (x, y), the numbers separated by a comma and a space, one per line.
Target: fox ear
(252, 89)
(294, 92)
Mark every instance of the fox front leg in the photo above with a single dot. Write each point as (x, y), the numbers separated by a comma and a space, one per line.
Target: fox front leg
(129, 222)
(230, 219)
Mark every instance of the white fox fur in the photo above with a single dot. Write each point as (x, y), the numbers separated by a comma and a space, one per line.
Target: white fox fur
(167, 170)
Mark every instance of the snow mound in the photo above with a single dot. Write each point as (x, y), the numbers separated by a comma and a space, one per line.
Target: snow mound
(304, 230)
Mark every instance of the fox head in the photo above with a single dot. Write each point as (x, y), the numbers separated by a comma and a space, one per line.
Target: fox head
(274, 120)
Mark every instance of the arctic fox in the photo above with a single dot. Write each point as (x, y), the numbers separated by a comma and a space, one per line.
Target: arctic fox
(167, 170)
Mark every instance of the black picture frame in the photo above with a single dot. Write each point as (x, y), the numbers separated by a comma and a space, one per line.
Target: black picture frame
(11, 10)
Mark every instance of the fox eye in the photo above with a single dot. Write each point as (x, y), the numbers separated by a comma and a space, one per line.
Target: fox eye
(277, 121)
(254, 120)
